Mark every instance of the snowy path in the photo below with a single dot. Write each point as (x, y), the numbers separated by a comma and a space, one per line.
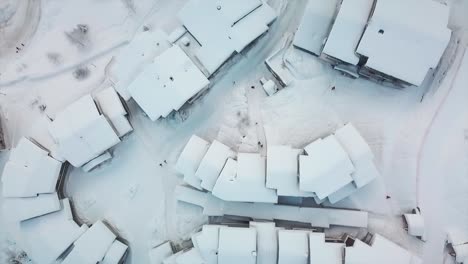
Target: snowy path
(443, 158)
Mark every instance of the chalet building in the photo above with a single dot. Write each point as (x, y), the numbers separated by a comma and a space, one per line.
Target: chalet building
(379, 39)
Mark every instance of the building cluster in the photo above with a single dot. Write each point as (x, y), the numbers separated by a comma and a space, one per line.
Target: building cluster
(31, 187)
(380, 39)
(163, 72)
(328, 169)
(86, 129)
(265, 243)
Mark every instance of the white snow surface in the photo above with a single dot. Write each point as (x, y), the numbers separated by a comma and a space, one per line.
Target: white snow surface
(393, 122)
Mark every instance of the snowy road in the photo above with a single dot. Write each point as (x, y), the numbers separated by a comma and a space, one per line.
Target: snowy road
(443, 169)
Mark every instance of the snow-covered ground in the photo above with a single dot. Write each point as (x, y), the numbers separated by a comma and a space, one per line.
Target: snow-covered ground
(420, 147)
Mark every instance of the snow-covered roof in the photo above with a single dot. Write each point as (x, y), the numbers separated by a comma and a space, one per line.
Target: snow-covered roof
(381, 250)
(342, 193)
(81, 132)
(161, 252)
(457, 236)
(283, 171)
(354, 144)
(293, 246)
(237, 245)
(267, 242)
(92, 246)
(244, 180)
(315, 25)
(415, 224)
(190, 158)
(110, 105)
(326, 169)
(20, 209)
(461, 252)
(359, 253)
(48, 236)
(132, 59)
(29, 171)
(206, 242)
(362, 158)
(324, 252)
(389, 252)
(224, 27)
(347, 30)
(212, 164)
(115, 253)
(167, 83)
(404, 45)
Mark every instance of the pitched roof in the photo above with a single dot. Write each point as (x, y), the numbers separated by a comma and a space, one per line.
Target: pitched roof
(48, 236)
(237, 245)
(132, 59)
(315, 25)
(224, 27)
(326, 168)
(20, 209)
(283, 171)
(404, 45)
(110, 105)
(92, 246)
(167, 83)
(29, 171)
(293, 246)
(81, 132)
(347, 30)
(190, 158)
(115, 253)
(212, 164)
(244, 180)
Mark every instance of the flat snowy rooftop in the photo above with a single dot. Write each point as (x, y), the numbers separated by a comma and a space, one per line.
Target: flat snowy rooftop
(167, 83)
(402, 44)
